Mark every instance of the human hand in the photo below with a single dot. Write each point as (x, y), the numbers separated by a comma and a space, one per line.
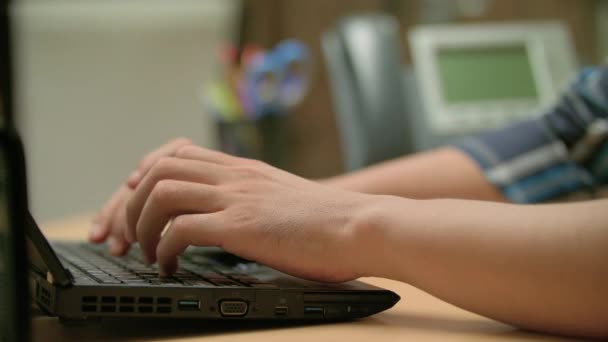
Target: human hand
(110, 224)
(249, 209)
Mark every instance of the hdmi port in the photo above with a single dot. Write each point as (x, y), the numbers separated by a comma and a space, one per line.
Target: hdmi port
(233, 308)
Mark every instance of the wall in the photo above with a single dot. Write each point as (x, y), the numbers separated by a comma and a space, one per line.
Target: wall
(602, 28)
(99, 83)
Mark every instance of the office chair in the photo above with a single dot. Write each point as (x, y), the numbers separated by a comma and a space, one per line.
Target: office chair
(366, 78)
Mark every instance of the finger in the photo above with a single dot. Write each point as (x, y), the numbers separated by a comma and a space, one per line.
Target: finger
(172, 198)
(149, 160)
(196, 229)
(198, 153)
(118, 245)
(101, 226)
(169, 168)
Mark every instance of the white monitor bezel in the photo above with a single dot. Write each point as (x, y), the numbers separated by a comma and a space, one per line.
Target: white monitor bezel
(551, 57)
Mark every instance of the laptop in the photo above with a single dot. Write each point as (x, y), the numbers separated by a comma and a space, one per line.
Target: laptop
(14, 297)
(81, 281)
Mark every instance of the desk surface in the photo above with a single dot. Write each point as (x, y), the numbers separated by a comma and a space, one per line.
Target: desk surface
(418, 316)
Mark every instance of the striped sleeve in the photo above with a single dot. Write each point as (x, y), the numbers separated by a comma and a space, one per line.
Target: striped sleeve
(559, 153)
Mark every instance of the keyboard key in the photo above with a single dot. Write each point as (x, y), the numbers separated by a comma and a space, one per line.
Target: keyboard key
(263, 285)
(225, 282)
(91, 263)
(198, 283)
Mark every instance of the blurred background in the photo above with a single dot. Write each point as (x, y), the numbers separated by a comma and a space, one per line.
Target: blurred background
(100, 83)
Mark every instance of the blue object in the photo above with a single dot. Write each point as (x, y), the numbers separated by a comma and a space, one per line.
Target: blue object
(293, 58)
(271, 83)
(262, 85)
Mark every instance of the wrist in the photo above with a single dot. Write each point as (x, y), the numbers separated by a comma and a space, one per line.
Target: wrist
(378, 243)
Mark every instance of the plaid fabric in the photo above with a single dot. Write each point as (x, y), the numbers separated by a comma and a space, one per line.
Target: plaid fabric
(563, 151)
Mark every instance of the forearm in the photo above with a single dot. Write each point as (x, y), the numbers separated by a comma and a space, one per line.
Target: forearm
(441, 173)
(538, 267)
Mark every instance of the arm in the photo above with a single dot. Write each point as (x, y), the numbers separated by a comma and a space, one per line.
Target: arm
(529, 162)
(539, 267)
(443, 173)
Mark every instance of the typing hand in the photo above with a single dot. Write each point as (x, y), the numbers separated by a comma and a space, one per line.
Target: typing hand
(248, 208)
(110, 224)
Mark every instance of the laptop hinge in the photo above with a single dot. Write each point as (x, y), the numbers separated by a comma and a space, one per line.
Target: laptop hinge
(43, 259)
(51, 279)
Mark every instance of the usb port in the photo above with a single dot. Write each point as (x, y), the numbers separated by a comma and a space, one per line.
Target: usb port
(188, 305)
(281, 310)
(314, 310)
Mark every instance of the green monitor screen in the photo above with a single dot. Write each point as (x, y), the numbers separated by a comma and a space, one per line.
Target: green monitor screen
(486, 74)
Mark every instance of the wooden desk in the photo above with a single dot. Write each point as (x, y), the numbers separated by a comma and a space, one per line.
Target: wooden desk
(418, 316)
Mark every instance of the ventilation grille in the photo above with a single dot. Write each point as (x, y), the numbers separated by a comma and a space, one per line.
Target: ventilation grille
(43, 296)
(126, 304)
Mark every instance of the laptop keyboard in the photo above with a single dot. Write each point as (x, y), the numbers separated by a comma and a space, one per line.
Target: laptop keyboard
(90, 264)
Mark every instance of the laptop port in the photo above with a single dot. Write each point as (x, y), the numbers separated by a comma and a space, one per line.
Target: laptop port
(188, 305)
(281, 310)
(233, 308)
(314, 310)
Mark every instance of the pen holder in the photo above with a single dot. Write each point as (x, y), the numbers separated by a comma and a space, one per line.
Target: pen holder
(260, 139)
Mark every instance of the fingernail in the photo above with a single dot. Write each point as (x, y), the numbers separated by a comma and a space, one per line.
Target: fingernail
(111, 243)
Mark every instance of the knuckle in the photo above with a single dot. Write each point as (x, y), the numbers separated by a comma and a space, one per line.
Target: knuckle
(148, 160)
(243, 217)
(165, 191)
(186, 150)
(163, 168)
(180, 225)
(247, 171)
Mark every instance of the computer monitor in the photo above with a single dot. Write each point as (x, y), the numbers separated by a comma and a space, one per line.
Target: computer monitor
(478, 76)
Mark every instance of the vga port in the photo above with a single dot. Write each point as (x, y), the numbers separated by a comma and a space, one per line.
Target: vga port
(233, 308)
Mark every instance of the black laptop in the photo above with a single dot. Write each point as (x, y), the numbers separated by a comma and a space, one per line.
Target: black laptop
(80, 281)
(14, 297)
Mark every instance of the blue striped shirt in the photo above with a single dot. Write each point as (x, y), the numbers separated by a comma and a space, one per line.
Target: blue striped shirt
(563, 151)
